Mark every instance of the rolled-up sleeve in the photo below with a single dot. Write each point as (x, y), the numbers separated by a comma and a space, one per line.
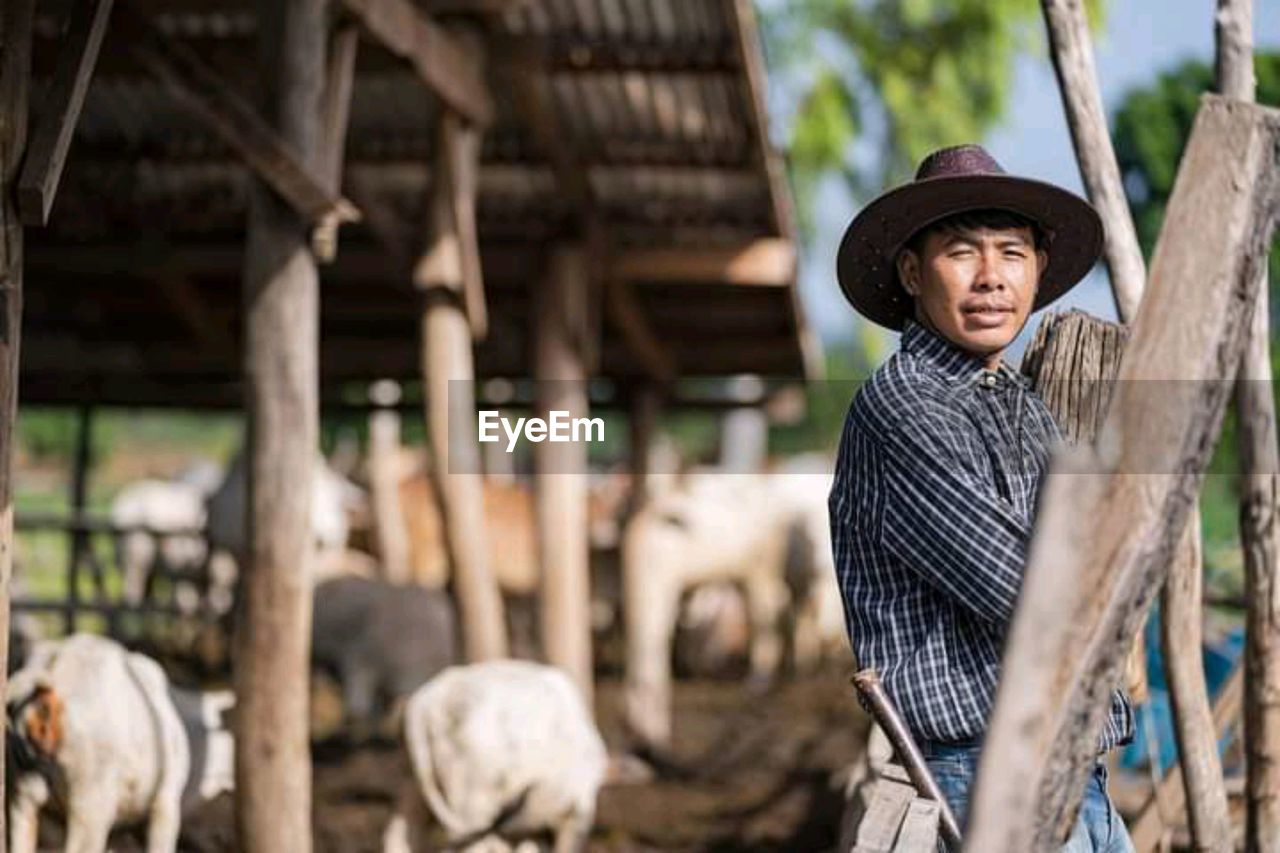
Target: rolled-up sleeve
(943, 518)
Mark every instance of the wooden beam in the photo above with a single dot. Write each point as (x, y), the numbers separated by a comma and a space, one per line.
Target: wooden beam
(203, 92)
(453, 258)
(446, 65)
(15, 82)
(51, 138)
(742, 22)
(1103, 542)
(272, 637)
(1181, 639)
(208, 325)
(335, 110)
(448, 372)
(1072, 51)
(767, 262)
(1169, 799)
(637, 331)
(561, 467)
(1259, 493)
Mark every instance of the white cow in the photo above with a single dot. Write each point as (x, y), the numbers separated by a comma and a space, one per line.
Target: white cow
(714, 527)
(801, 486)
(333, 497)
(499, 750)
(97, 732)
(171, 508)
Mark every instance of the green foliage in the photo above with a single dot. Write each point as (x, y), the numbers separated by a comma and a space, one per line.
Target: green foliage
(1151, 128)
(926, 73)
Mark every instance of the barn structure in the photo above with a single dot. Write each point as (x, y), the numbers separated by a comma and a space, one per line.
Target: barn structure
(445, 189)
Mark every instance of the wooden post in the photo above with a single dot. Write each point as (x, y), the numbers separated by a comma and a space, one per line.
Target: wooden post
(563, 546)
(1103, 541)
(1072, 52)
(77, 537)
(15, 81)
(1181, 636)
(1259, 496)
(448, 376)
(645, 402)
(281, 293)
(389, 529)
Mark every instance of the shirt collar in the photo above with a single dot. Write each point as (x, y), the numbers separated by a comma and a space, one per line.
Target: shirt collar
(948, 359)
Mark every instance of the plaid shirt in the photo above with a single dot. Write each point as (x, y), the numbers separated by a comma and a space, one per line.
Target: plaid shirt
(931, 513)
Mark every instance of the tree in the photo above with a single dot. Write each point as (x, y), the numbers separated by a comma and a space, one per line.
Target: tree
(903, 76)
(1151, 127)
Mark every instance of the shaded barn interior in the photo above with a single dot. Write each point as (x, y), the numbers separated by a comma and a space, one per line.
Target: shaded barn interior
(636, 126)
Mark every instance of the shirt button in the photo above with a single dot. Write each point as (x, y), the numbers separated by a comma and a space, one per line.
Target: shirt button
(989, 380)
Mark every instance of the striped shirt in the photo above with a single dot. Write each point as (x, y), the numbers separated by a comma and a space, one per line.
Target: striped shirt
(931, 513)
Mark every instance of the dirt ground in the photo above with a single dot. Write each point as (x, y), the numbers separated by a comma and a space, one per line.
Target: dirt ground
(746, 772)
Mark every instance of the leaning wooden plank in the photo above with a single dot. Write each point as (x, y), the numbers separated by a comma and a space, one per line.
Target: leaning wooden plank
(51, 139)
(1259, 494)
(202, 91)
(1072, 52)
(448, 67)
(1102, 541)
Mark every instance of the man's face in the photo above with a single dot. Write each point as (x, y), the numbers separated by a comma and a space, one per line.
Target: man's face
(974, 287)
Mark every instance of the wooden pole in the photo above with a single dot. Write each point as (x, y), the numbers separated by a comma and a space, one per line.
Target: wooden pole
(645, 403)
(78, 540)
(1259, 497)
(390, 532)
(281, 293)
(15, 81)
(1181, 635)
(563, 545)
(1103, 541)
(1148, 828)
(1072, 51)
(448, 375)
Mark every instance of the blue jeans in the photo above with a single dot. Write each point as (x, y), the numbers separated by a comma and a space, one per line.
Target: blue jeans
(1098, 829)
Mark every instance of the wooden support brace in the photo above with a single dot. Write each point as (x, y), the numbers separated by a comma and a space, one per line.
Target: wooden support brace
(201, 90)
(51, 139)
(766, 262)
(638, 333)
(335, 110)
(1103, 541)
(449, 67)
(1072, 52)
(452, 260)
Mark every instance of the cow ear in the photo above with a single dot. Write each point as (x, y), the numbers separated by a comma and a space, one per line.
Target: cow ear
(45, 720)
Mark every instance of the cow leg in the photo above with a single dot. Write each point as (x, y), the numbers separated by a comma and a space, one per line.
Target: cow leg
(572, 834)
(806, 637)
(650, 607)
(766, 600)
(163, 826)
(359, 693)
(89, 817)
(30, 793)
(407, 830)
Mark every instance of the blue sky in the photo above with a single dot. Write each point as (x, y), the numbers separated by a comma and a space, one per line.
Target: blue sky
(1141, 39)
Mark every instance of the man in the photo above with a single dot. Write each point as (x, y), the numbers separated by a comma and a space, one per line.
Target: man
(944, 446)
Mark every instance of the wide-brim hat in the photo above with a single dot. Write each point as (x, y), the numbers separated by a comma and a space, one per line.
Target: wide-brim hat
(958, 180)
